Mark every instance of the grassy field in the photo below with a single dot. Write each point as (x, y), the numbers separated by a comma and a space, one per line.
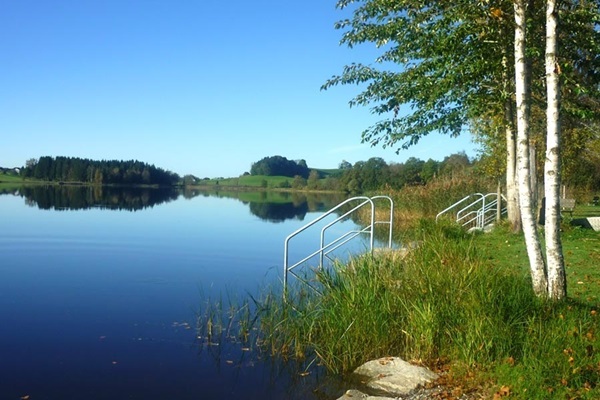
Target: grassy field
(9, 182)
(586, 210)
(260, 181)
(9, 178)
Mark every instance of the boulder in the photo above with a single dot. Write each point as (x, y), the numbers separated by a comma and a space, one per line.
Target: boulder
(392, 376)
(354, 394)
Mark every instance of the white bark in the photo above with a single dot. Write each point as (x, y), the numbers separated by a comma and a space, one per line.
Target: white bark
(532, 242)
(533, 174)
(557, 288)
(512, 189)
(512, 193)
(498, 202)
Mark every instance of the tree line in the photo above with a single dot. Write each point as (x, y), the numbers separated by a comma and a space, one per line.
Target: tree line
(365, 176)
(375, 173)
(73, 169)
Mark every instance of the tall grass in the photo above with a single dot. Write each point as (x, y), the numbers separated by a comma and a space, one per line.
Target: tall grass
(438, 302)
(427, 200)
(442, 301)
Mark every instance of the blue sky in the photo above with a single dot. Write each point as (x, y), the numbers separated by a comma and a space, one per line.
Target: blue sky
(204, 87)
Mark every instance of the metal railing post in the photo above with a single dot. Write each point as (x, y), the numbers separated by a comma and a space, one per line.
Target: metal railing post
(344, 238)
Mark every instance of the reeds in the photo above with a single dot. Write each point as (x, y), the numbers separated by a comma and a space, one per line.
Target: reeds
(442, 301)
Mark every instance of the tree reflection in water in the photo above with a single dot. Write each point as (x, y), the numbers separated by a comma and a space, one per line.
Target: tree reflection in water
(104, 197)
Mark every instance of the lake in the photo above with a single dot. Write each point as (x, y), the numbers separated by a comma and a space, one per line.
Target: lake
(100, 290)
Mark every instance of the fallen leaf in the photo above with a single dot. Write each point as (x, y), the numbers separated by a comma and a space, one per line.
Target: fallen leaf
(503, 392)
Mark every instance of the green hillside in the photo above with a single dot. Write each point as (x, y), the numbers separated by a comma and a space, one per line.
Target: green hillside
(9, 178)
(255, 181)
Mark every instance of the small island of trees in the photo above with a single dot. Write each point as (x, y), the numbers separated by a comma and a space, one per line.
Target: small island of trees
(280, 166)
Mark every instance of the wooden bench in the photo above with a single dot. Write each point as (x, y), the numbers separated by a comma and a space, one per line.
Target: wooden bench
(567, 206)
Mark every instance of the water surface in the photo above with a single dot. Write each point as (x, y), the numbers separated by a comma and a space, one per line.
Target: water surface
(100, 287)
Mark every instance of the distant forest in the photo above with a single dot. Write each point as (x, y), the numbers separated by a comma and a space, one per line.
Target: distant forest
(363, 176)
(69, 169)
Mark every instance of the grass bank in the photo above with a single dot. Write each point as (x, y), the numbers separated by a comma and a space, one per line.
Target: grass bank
(249, 182)
(11, 182)
(459, 303)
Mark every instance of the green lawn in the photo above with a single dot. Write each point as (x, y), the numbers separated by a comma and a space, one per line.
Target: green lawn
(581, 249)
(6, 178)
(10, 182)
(586, 210)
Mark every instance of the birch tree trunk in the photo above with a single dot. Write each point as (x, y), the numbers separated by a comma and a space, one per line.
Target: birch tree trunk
(533, 175)
(499, 202)
(532, 242)
(557, 283)
(512, 193)
(512, 189)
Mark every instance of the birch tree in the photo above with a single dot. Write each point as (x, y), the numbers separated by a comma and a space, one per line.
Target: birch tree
(537, 265)
(557, 284)
(449, 66)
(512, 192)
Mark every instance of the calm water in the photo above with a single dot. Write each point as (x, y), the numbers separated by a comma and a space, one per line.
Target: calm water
(99, 291)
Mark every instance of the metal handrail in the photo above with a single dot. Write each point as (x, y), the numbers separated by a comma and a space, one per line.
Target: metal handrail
(451, 207)
(466, 213)
(325, 249)
(391, 221)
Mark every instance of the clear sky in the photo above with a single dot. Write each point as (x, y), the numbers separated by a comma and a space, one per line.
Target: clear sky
(203, 87)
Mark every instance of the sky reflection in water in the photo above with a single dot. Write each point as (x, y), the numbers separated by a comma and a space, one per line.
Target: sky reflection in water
(100, 304)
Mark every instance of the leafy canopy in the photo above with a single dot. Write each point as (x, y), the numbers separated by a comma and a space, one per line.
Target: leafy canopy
(440, 64)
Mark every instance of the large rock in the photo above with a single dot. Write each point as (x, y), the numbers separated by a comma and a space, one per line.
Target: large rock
(354, 394)
(393, 376)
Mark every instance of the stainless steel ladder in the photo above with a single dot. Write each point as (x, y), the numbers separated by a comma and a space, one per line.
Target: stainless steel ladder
(326, 248)
(477, 213)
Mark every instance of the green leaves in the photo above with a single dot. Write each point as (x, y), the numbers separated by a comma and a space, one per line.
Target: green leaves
(439, 61)
(445, 66)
